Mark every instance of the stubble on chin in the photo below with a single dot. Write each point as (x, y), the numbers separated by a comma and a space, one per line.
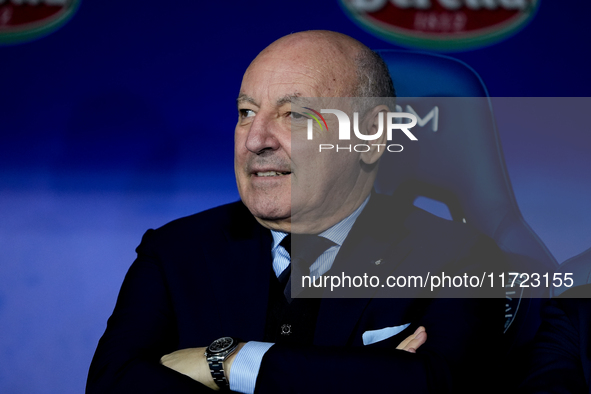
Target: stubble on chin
(270, 211)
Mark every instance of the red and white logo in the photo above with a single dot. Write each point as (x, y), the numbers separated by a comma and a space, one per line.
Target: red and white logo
(447, 25)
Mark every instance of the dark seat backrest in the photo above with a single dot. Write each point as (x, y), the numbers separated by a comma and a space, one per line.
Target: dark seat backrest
(580, 268)
(458, 160)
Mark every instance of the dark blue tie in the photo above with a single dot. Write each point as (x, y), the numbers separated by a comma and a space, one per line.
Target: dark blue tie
(308, 249)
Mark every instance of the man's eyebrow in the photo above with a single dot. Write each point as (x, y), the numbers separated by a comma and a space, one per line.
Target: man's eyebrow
(246, 98)
(288, 98)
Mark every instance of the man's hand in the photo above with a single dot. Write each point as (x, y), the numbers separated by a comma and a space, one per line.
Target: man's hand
(414, 341)
(192, 362)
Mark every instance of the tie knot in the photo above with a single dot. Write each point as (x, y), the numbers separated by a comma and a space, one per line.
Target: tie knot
(303, 250)
(305, 247)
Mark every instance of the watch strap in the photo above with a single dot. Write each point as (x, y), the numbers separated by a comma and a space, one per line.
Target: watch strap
(216, 367)
(215, 359)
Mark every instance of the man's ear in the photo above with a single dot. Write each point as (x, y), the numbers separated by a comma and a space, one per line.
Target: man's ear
(371, 125)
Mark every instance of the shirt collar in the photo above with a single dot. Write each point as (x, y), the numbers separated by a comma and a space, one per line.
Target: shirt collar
(336, 233)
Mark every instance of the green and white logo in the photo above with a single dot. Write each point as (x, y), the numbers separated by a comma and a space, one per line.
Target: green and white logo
(26, 20)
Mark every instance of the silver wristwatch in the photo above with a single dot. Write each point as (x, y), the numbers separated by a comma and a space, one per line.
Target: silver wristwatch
(216, 353)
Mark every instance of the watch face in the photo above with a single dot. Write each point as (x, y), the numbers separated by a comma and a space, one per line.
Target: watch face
(220, 345)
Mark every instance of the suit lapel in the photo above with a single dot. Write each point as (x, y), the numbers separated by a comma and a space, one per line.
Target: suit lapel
(375, 246)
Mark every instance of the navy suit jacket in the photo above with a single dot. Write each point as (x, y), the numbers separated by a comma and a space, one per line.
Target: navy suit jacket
(205, 276)
(561, 358)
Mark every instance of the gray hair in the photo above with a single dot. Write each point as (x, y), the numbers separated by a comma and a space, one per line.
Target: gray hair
(373, 80)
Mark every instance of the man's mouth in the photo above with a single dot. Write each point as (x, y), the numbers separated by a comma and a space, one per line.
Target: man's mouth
(272, 173)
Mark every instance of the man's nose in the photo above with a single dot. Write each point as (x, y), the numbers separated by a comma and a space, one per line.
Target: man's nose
(262, 135)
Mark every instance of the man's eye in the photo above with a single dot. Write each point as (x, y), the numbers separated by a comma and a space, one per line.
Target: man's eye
(246, 113)
(296, 115)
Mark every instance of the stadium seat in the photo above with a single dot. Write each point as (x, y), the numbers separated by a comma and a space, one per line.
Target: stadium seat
(580, 268)
(458, 161)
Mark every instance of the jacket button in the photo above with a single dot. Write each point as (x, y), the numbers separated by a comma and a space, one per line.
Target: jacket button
(286, 329)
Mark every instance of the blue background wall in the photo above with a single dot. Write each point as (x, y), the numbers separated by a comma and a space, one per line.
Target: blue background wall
(102, 136)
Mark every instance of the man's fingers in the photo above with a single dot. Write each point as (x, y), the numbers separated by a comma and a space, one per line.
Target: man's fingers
(418, 340)
(413, 341)
(404, 344)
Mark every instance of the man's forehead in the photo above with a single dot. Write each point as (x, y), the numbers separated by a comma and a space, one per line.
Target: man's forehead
(275, 79)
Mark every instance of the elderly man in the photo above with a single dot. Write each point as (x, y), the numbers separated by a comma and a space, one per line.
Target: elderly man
(223, 272)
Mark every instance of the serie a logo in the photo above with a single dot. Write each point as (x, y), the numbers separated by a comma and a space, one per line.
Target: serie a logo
(345, 129)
